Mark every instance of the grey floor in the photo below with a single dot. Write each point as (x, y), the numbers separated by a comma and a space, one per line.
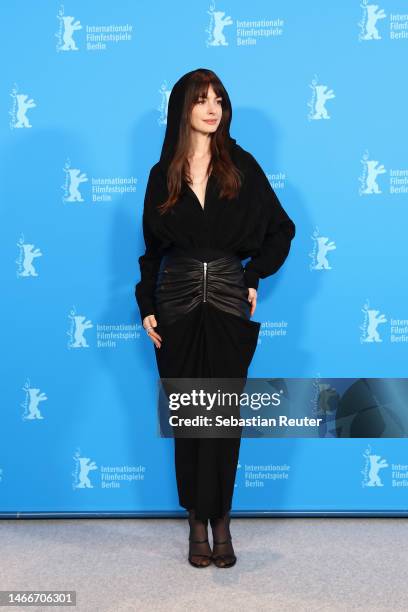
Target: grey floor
(305, 564)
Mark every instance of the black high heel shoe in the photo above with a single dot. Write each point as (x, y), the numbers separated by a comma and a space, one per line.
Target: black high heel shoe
(198, 529)
(190, 554)
(225, 560)
(221, 530)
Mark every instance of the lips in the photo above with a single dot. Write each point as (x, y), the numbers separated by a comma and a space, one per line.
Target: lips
(210, 121)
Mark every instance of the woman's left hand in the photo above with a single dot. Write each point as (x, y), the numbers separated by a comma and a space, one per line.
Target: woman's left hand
(252, 295)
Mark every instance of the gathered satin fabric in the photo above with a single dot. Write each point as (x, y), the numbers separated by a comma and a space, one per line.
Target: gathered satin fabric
(184, 281)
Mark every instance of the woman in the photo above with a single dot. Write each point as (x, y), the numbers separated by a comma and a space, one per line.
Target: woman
(208, 205)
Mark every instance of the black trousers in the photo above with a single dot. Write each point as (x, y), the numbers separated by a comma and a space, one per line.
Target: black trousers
(203, 317)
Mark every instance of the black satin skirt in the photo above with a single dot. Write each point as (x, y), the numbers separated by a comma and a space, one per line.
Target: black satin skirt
(203, 317)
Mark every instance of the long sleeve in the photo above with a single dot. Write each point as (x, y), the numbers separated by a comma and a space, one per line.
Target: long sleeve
(149, 262)
(276, 230)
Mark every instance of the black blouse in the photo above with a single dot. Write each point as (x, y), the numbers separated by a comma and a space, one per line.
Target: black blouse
(252, 225)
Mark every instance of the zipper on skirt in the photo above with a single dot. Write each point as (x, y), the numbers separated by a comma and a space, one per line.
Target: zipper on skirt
(205, 281)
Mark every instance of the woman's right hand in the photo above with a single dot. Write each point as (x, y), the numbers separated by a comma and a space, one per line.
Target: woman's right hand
(252, 297)
(150, 321)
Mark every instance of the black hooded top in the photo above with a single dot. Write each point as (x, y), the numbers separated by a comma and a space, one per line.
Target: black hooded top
(252, 225)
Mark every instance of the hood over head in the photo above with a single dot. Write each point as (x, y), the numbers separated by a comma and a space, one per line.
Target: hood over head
(174, 113)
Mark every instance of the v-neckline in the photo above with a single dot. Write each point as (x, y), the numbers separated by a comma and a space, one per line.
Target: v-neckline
(205, 193)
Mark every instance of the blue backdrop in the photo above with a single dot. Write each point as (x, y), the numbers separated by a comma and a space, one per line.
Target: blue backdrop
(319, 97)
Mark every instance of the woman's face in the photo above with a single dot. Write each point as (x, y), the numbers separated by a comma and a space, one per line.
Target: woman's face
(207, 112)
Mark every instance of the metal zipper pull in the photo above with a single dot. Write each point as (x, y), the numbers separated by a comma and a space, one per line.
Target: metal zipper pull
(205, 281)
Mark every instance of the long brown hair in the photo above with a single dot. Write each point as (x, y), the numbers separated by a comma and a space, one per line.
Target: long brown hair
(227, 175)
